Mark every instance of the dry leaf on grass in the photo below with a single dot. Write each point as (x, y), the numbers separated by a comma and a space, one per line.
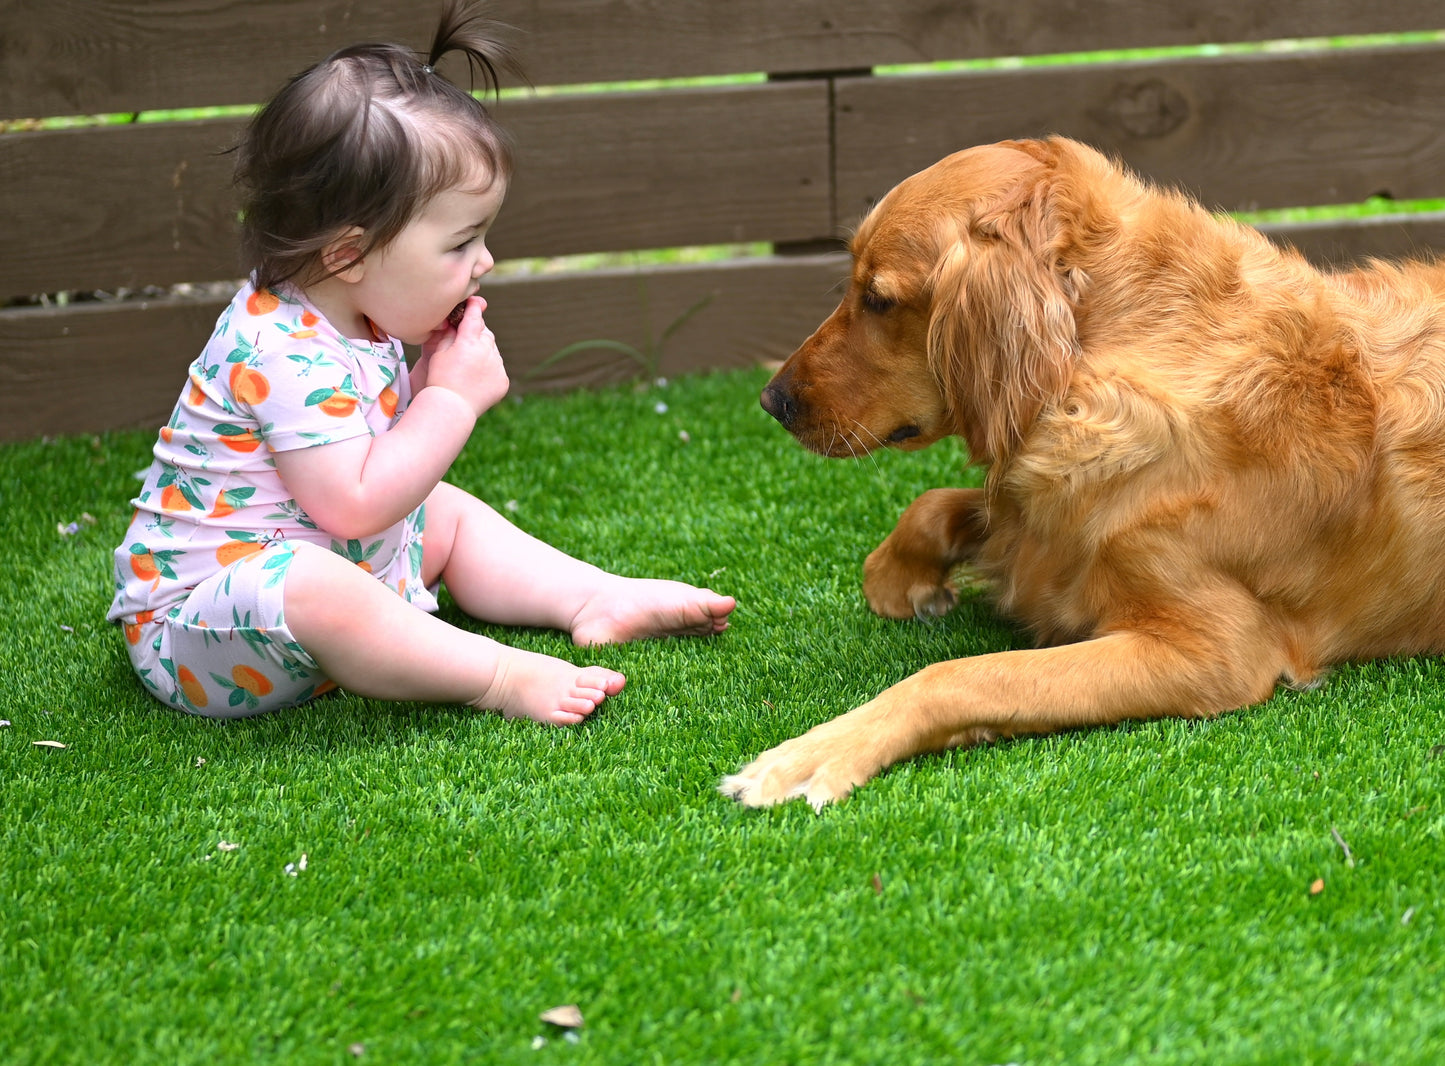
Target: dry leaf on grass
(566, 1017)
(47, 743)
(1317, 886)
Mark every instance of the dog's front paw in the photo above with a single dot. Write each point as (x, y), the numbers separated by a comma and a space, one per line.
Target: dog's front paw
(821, 766)
(898, 587)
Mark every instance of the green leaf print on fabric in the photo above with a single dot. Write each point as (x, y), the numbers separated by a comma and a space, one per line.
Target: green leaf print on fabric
(353, 550)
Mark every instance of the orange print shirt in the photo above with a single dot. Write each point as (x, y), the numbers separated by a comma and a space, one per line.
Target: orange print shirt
(275, 376)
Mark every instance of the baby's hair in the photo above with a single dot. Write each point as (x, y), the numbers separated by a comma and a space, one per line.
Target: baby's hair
(366, 138)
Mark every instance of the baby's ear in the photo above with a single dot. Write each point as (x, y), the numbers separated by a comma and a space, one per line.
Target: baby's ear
(342, 258)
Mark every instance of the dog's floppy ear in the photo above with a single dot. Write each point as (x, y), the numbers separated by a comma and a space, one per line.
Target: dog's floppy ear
(1002, 334)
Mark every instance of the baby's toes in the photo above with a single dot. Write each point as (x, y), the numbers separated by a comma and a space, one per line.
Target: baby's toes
(602, 681)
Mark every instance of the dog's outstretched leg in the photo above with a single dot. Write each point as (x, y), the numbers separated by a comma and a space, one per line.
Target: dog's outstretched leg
(1118, 676)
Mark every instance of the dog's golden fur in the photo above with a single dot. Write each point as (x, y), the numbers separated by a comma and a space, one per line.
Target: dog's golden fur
(1212, 467)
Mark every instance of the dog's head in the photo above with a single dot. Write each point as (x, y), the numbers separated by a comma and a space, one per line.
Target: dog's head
(959, 316)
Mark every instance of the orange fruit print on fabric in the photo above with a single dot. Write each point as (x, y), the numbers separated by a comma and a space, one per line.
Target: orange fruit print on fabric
(262, 303)
(133, 629)
(191, 686)
(234, 550)
(334, 402)
(237, 438)
(252, 680)
(174, 499)
(248, 384)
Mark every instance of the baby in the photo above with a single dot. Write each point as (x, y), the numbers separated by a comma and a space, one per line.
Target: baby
(294, 524)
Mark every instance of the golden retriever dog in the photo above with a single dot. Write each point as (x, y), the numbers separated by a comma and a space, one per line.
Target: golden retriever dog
(1212, 468)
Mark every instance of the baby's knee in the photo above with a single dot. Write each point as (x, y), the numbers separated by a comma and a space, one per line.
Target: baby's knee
(313, 575)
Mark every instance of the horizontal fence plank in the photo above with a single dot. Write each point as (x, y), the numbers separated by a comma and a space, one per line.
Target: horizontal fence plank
(105, 366)
(1345, 242)
(1239, 132)
(65, 57)
(151, 204)
(99, 366)
(603, 172)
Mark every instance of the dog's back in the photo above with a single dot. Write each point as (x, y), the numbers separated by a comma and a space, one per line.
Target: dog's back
(1247, 420)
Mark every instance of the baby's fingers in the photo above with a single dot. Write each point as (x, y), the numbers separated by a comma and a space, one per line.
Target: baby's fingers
(470, 326)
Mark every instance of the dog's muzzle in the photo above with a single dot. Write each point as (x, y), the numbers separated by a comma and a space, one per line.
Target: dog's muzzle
(778, 400)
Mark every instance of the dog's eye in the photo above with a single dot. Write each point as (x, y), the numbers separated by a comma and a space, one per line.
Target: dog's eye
(879, 305)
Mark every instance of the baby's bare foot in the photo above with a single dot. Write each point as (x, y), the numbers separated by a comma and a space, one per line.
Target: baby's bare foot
(632, 608)
(547, 690)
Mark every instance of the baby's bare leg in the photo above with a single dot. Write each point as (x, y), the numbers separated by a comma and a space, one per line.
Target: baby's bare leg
(501, 574)
(370, 641)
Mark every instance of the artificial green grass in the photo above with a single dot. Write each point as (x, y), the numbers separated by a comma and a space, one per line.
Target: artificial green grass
(1139, 894)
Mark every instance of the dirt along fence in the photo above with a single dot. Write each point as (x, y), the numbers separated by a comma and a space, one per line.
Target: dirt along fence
(757, 130)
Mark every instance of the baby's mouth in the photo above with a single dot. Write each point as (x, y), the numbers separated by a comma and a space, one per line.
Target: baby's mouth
(454, 318)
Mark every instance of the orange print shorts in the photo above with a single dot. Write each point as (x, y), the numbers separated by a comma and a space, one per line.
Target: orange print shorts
(224, 651)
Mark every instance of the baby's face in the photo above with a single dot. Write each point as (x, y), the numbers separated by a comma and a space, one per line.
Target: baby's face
(409, 287)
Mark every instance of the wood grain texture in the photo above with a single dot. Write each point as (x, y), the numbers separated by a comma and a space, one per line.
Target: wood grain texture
(114, 366)
(152, 204)
(64, 57)
(601, 172)
(100, 366)
(1239, 132)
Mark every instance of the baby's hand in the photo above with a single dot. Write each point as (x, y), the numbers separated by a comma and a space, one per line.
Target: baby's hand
(466, 359)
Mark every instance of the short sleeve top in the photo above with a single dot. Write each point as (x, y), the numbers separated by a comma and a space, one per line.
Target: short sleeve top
(275, 376)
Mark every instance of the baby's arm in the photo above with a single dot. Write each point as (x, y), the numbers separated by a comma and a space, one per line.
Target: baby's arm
(358, 487)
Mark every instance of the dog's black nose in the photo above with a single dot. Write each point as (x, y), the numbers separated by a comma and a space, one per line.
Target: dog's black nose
(780, 403)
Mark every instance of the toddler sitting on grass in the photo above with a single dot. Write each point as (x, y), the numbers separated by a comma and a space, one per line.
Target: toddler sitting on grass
(294, 522)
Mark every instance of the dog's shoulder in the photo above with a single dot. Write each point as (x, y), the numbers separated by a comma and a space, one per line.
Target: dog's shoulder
(1108, 424)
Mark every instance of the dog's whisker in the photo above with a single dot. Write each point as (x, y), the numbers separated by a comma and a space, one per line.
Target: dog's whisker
(878, 444)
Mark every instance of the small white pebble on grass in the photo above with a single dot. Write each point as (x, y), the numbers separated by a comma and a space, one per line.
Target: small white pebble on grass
(684, 436)
(538, 1043)
(4, 723)
(226, 845)
(512, 505)
(294, 868)
(661, 408)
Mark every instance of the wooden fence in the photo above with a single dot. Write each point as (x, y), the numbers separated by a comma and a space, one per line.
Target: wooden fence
(791, 159)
